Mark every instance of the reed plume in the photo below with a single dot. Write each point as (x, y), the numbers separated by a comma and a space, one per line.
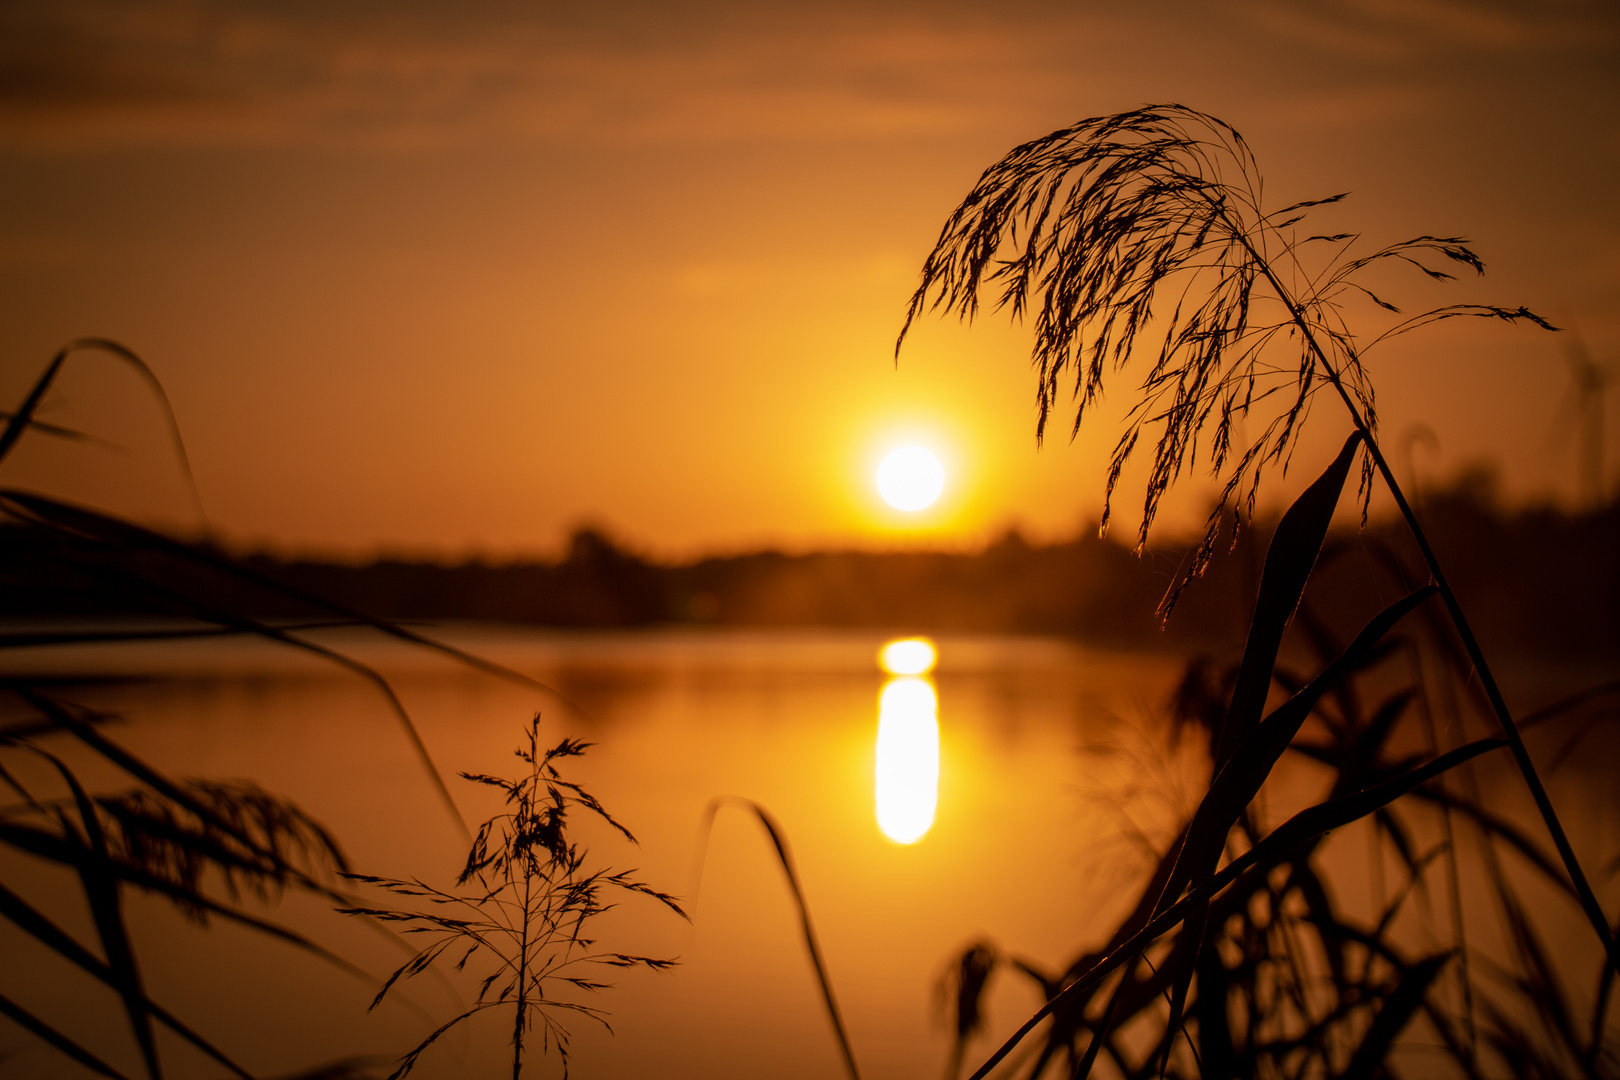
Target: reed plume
(1140, 246)
(1152, 222)
(524, 901)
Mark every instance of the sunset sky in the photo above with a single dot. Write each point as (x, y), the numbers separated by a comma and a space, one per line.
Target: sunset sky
(451, 279)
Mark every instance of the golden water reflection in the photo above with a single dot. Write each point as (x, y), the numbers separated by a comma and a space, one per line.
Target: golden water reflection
(1053, 771)
(908, 656)
(907, 780)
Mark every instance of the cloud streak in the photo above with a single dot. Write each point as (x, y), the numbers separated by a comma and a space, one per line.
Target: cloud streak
(83, 73)
(93, 74)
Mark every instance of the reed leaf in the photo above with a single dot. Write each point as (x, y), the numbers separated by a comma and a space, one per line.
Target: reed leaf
(1302, 828)
(38, 926)
(22, 420)
(129, 539)
(45, 1032)
(1248, 748)
(1293, 552)
(100, 885)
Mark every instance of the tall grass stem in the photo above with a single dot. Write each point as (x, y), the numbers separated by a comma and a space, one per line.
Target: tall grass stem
(1521, 755)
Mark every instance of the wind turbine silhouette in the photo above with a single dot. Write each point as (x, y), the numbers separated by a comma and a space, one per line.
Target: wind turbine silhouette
(1583, 404)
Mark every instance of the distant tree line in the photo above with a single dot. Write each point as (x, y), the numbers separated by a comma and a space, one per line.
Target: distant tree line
(1510, 567)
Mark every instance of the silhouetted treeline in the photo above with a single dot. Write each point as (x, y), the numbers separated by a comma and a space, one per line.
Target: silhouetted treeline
(1539, 581)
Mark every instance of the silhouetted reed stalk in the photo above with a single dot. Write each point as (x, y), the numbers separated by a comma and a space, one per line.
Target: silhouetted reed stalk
(784, 859)
(1103, 218)
(526, 897)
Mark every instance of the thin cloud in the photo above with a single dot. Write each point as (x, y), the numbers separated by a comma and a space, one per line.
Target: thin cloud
(94, 74)
(81, 73)
(1391, 31)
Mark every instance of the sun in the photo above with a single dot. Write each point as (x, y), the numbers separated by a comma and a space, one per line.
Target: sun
(910, 479)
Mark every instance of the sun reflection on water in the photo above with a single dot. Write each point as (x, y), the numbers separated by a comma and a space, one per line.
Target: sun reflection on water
(907, 743)
(908, 656)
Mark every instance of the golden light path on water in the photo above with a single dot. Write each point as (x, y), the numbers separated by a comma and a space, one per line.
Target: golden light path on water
(907, 775)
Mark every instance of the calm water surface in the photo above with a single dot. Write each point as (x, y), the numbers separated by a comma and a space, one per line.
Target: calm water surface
(1053, 772)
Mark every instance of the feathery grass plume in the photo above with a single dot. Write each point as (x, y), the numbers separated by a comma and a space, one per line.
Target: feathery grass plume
(524, 918)
(1150, 224)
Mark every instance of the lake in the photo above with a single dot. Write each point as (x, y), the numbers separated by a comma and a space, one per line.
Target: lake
(1055, 772)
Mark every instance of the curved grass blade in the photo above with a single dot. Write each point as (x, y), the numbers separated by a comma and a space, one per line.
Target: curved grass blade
(1499, 828)
(60, 432)
(785, 860)
(28, 1021)
(101, 892)
(360, 1067)
(34, 639)
(1573, 701)
(33, 922)
(23, 418)
(85, 522)
(248, 625)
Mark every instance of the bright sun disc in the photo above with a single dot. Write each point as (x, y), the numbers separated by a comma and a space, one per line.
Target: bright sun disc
(910, 478)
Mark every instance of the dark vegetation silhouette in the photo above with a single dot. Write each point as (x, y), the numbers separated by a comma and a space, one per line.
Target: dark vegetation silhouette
(1150, 225)
(1237, 959)
(1091, 589)
(1281, 978)
(211, 848)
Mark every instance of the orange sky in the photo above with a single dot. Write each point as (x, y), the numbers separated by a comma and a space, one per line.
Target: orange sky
(448, 279)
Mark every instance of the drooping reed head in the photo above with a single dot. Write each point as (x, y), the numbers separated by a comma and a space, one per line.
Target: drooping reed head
(1147, 228)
